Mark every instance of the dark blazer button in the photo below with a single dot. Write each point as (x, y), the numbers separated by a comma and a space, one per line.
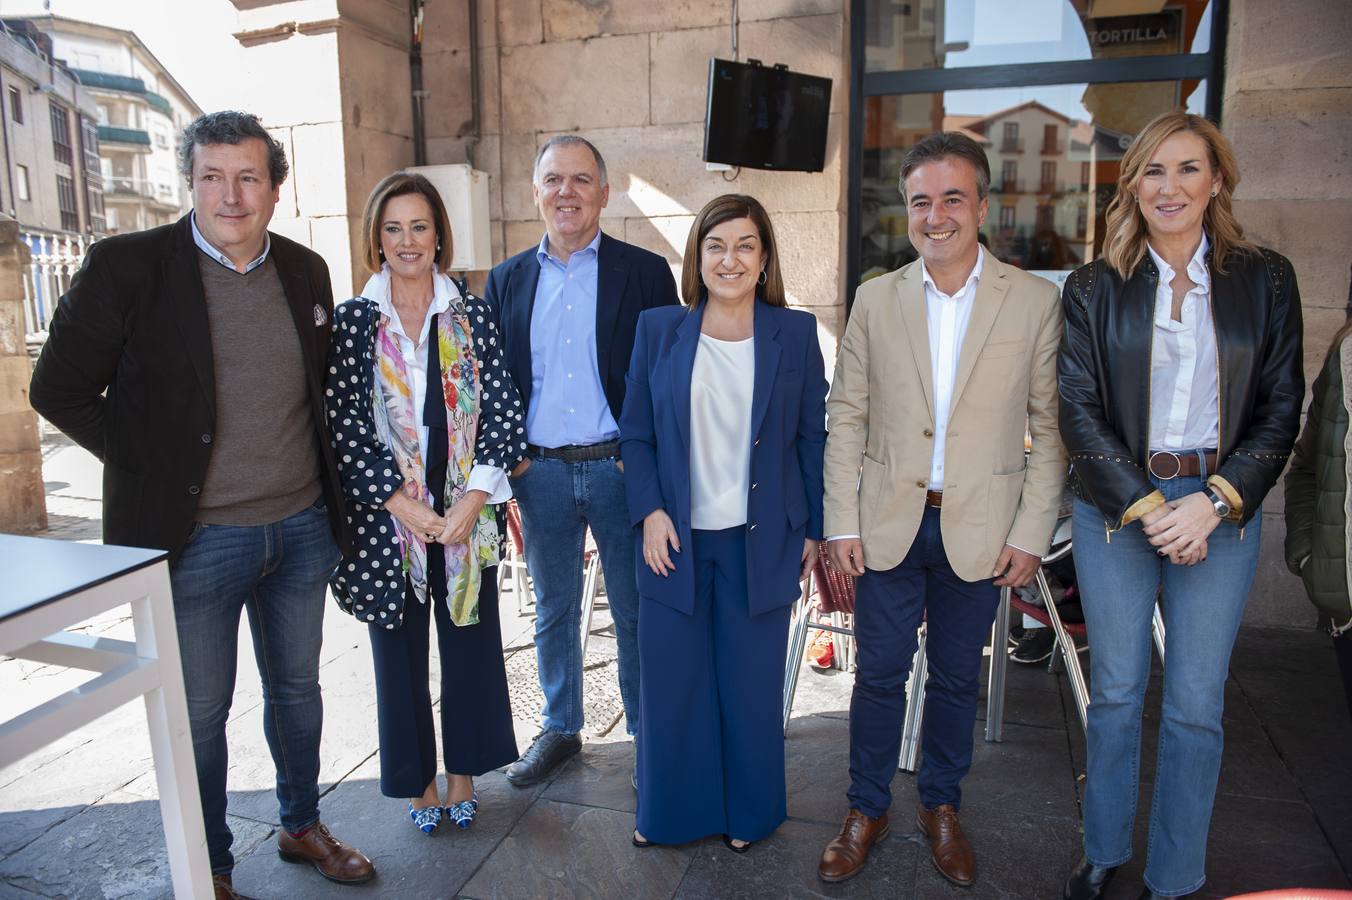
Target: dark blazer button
(194, 489)
(206, 439)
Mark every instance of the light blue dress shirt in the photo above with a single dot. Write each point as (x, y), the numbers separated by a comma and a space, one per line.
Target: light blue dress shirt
(567, 402)
(205, 246)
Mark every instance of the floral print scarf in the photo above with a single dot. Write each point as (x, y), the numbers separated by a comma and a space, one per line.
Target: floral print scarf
(460, 387)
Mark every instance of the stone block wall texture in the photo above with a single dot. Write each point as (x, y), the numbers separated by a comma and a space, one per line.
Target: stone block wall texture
(23, 502)
(1288, 111)
(631, 75)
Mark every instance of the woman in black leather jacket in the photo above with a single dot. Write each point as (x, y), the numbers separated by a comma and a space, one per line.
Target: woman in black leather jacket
(1181, 385)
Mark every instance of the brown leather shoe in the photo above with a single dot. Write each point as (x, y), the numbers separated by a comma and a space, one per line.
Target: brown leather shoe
(332, 858)
(225, 889)
(848, 851)
(949, 847)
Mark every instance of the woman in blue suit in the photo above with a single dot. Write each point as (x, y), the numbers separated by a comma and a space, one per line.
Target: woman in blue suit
(722, 434)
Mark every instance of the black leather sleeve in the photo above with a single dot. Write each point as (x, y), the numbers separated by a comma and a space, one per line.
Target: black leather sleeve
(1103, 471)
(1255, 462)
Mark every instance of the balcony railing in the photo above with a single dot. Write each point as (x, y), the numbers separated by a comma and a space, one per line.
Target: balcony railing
(123, 186)
(1011, 145)
(115, 135)
(1053, 148)
(1010, 186)
(54, 259)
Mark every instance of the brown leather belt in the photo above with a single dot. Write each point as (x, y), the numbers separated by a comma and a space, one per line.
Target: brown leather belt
(1167, 464)
(934, 498)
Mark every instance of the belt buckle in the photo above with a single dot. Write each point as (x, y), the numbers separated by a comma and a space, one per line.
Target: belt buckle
(1178, 465)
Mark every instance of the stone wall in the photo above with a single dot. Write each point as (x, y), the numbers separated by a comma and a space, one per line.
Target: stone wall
(1288, 110)
(23, 506)
(631, 76)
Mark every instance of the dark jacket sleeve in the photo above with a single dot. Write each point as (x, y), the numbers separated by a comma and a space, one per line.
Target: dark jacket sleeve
(812, 430)
(1300, 483)
(638, 433)
(366, 467)
(81, 354)
(1253, 465)
(1103, 465)
(501, 441)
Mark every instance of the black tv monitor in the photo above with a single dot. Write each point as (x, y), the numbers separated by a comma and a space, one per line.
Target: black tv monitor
(766, 117)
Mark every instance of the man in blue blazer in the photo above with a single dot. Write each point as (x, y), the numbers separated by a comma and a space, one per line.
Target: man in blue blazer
(567, 310)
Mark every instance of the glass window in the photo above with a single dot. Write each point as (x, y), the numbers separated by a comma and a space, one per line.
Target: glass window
(65, 201)
(21, 182)
(950, 34)
(1037, 220)
(61, 148)
(16, 104)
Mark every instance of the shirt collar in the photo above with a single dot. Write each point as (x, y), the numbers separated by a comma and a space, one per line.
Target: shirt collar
(974, 277)
(377, 288)
(542, 252)
(1198, 273)
(206, 247)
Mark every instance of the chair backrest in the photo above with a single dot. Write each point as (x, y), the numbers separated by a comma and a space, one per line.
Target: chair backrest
(514, 527)
(835, 589)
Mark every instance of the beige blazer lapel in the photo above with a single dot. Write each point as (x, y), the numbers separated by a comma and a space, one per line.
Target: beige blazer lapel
(990, 296)
(911, 307)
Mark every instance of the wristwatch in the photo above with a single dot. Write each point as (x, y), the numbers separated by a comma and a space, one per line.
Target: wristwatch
(1218, 502)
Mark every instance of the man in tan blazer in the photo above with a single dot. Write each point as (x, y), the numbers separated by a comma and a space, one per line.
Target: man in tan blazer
(930, 500)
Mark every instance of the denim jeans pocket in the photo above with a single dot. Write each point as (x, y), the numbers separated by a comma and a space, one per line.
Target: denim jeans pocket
(193, 532)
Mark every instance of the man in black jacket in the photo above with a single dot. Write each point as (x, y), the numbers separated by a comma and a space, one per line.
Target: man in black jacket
(190, 360)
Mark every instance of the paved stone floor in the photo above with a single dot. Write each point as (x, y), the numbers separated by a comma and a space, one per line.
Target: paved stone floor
(79, 819)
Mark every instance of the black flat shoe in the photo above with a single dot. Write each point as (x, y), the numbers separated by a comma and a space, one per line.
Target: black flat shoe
(640, 842)
(1087, 881)
(727, 842)
(547, 752)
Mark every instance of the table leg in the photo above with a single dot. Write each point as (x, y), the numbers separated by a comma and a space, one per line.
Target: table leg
(171, 740)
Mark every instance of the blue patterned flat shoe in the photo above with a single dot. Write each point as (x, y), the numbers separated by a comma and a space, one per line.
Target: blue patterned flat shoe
(463, 813)
(427, 819)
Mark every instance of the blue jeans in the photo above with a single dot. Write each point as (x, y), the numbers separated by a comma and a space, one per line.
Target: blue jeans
(889, 607)
(558, 501)
(278, 573)
(1119, 579)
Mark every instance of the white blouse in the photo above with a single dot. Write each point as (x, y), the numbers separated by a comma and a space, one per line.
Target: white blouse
(1184, 368)
(720, 432)
(489, 479)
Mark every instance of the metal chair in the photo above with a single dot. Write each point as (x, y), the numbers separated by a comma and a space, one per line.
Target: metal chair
(512, 566)
(590, 586)
(833, 592)
(1064, 648)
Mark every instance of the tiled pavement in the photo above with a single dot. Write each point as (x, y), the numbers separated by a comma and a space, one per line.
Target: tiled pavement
(79, 819)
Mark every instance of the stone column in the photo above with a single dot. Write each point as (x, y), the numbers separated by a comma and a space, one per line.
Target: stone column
(1288, 112)
(22, 501)
(330, 79)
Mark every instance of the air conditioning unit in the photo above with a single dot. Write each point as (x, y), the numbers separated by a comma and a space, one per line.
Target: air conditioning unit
(464, 190)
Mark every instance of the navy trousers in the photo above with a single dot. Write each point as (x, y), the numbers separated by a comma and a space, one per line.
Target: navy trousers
(711, 750)
(889, 607)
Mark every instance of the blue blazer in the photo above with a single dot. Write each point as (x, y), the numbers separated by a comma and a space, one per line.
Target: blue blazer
(788, 429)
(629, 280)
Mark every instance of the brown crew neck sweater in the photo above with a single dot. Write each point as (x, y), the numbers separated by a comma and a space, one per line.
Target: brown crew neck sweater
(264, 459)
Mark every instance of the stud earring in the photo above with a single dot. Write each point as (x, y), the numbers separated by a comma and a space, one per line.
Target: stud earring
(1215, 193)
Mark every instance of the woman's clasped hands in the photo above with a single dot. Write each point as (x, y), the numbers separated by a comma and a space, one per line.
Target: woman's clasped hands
(1179, 529)
(422, 520)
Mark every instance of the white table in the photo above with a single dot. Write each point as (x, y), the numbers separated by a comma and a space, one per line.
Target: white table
(47, 586)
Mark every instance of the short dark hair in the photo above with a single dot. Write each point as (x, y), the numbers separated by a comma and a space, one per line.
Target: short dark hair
(567, 140)
(397, 185)
(942, 145)
(229, 126)
(716, 212)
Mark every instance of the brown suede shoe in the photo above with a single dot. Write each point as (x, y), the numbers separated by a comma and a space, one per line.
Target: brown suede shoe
(949, 847)
(848, 851)
(225, 888)
(332, 858)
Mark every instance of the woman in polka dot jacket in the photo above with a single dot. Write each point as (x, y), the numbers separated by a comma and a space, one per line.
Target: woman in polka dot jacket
(426, 424)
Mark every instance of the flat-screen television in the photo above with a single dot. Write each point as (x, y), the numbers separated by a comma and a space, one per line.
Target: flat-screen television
(766, 117)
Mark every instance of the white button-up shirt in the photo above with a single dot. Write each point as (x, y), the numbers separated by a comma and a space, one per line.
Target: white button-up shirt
(489, 479)
(947, 316)
(1184, 369)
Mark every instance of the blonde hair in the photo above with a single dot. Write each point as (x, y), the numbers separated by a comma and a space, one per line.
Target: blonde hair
(399, 184)
(1125, 228)
(716, 212)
